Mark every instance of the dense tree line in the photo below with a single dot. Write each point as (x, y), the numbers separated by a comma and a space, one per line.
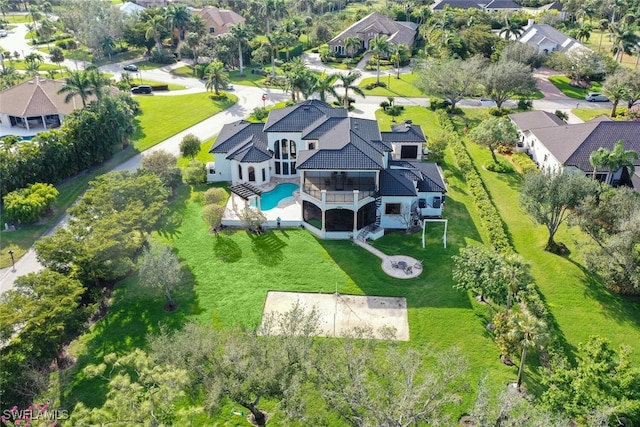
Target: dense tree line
(87, 136)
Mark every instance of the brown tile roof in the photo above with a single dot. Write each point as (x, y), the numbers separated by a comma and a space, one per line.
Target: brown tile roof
(37, 97)
(396, 31)
(220, 17)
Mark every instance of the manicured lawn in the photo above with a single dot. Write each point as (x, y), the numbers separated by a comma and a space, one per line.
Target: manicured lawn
(19, 19)
(588, 114)
(606, 46)
(164, 116)
(21, 65)
(420, 115)
(562, 83)
(172, 86)
(184, 71)
(395, 87)
(578, 301)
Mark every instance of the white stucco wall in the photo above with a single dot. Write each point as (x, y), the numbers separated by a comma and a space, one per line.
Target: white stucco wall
(222, 170)
(395, 221)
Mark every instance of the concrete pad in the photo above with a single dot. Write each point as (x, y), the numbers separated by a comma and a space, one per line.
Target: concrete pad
(340, 314)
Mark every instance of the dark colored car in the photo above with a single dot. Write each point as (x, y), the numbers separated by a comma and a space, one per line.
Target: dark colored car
(131, 68)
(142, 89)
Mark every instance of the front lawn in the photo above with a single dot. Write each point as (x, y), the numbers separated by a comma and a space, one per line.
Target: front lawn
(164, 116)
(562, 83)
(404, 86)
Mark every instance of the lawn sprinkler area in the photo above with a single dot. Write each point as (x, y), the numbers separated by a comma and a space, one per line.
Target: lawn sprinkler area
(340, 314)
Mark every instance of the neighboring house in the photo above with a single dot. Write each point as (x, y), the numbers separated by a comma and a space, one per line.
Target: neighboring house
(154, 3)
(372, 25)
(554, 144)
(553, 8)
(35, 105)
(129, 8)
(218, 21)
(545, 38)
(349, 180)
(489, 5)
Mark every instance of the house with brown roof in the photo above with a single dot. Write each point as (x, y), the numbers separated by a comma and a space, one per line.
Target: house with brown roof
(554, 144)
(375, 24)
(35, 105)
(488, 5)
(218, 21)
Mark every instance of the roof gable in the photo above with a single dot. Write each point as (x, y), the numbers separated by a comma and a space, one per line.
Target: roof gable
(378, 24)
(37, 97)
(535, 119)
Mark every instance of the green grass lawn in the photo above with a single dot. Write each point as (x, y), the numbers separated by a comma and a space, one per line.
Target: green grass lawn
(164, 116)
(19, 19)
(578, 301)
(204, 156)
(395, 87)
(600, 42)
(172, 86)
(21, 65)
(562, 83)
(420, 115)
(588, 114)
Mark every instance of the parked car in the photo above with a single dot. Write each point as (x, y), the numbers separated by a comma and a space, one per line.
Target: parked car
(487, 102)
(596, 97)
(3, 33)
(142, 89)
(131, 67)
(229, 86)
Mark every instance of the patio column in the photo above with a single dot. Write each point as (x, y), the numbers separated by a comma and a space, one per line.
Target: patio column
(355, 222)
(26, 123)
(323, 219)
(44, 122)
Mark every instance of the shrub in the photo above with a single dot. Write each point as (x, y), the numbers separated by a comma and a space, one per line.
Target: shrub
(214, 196)
(161, 57)
(28, 204)
(260, 113)
(525, 104)
(213, 213)
(524, 163)
(190, 146)
(195, 173)
(501, 167)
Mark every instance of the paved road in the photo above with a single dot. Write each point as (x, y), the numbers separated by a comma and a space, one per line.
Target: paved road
(249, 97)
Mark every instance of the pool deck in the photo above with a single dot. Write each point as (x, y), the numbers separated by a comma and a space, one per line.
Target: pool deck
(288, 210)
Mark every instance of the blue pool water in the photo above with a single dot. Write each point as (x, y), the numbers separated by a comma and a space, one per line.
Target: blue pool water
(22, 138)
(270, 199)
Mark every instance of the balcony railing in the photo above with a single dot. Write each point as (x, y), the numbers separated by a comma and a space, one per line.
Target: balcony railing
(336, 196)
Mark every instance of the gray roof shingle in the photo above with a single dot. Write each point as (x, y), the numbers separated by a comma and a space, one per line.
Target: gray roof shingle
(535, 119)
(404, 133)
(243, 141)
(395, 182)
(379, 24)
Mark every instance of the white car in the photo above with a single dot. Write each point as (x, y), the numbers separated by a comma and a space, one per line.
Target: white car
(595, 97)
(3, 33)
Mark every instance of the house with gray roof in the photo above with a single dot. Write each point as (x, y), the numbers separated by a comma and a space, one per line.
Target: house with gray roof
(489, 5)
(545, 38)
(375, 24)
(351, 176)
(554, 144)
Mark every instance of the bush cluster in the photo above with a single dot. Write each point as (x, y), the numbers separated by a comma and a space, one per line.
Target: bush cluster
(491, 221)
(524, 163)
(375, 85)
(29, 204)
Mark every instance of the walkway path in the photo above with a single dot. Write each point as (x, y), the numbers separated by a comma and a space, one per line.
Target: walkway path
(391, 263)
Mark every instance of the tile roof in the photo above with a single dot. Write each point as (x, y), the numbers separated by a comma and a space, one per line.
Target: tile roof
(502, 4)
(222, 18)
(535, 119)
(432, 180)
(299, 117)
(537, 34)
(397, 32)
(573, 144)
(457, 4)
(37, 97)
(347, 158)
(243, 141)
(556, 5)
(404, 132)
(394, 182)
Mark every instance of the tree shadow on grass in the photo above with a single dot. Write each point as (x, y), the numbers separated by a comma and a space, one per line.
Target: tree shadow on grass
(621, 308)
(135, 312)
(175, 214)
(226, 249)
(268, 248)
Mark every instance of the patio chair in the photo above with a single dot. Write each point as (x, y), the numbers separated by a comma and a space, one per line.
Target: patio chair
(408, 270)
(394, 264)
(418, 265)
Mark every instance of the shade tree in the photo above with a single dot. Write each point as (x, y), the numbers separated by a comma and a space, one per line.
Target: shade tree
(190, 146)
(494, 132)
(550, 197)
(28, 204)
(159, 267)
(450, 78)
(164, 165)
(505, 79)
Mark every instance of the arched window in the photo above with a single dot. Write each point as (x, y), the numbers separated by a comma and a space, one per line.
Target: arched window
(252, 174)
(285, 154)
(239, 171)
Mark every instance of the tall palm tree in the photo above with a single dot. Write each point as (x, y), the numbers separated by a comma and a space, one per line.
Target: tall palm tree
(298, 77)
(379, 46)
(530, 332)
(399, 53)
(352, 44)
(511, 30)
(97, 81)
(77, 84)
(324, 84)
(616, 90)
(620, 158)
(584, 33)
(4, 8)
(603, 25)
(155, 27)
(193, 41)
(56, 55)
(347, 83)
(242, 35)
(217, 77)
(514, 270)
(177, 16)
(274, 41)
(598, 159)
(624, 39)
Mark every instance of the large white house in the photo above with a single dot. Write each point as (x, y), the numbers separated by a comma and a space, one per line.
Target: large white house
(351, 176)
(554, 144)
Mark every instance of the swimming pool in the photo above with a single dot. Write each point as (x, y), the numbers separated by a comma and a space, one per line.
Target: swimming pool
(22, 138)
(270, 199)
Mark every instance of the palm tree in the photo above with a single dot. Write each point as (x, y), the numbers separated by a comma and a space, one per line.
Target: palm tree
(514, 270)
(217, 77)
(33, 62)
(615, 90)
(298, 77)
(603, 25)
(4, 8)
(107, 44)
(324, 84)
(347, 83)
(192, 40)
(511, 30)
(177, 16)
(379, 46)
(598, 159)
(624, 39)
(155, 27)
(56, 55)
(352, 44)
(97, 81)
(584, 33)
(530, 332)
(620, 158)
(78, 83)
(242, 35)
(399, 53)
(274, 41)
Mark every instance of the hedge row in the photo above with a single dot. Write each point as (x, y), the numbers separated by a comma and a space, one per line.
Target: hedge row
(524, 163)
(492, 222)
(489, 215)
